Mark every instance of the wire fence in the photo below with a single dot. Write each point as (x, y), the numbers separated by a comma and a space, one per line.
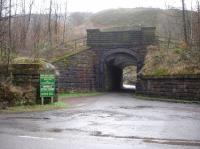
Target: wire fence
(167, 42)
(76, 44)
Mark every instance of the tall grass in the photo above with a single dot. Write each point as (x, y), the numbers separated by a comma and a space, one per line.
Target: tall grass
(174, 61)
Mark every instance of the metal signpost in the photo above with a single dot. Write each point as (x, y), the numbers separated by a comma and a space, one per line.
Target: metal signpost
(47, 86)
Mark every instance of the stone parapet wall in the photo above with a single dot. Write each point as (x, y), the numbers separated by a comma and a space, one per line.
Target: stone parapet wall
(185, 87)
(123, 39)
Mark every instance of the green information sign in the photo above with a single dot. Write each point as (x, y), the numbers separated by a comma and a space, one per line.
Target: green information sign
(47, 85)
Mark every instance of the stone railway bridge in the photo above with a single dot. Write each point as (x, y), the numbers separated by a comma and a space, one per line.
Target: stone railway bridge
(100, 66)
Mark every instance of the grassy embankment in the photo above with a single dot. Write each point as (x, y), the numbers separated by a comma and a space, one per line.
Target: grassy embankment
(171, 61)
(179, 60)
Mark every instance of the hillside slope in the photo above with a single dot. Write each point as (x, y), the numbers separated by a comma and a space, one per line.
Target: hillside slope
(125, 18)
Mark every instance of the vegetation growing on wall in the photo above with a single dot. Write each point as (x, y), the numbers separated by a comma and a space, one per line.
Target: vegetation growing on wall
(129, 75)
(12, 95)
(174, 61)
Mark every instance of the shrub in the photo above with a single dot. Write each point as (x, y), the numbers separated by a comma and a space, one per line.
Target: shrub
(178, 50)
(10, 94)
(14, 95)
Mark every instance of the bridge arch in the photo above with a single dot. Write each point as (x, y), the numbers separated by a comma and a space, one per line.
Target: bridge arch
(114, 61)
(99, 67)
(129, 53)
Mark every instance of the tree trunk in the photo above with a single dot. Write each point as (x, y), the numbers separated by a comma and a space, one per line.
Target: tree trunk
(9, 36)
(198, 27)
(184, 23)
(64, 27)
(1, 34)
(49, 23)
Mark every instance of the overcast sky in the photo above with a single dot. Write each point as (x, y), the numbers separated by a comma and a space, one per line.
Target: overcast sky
(98, 5)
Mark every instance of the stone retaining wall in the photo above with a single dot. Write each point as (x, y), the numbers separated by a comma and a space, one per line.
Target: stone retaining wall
(25, 76)
(77, 72)
(22, 74)
(180, 87)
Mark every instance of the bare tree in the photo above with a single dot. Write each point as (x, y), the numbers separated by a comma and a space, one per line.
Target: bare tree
(65, 19)
(191, 29)
(198, 22)
(1, 28)
(56, 22)
(25, 22)
(29, 18)
(168, 27)
(49, 24)
(9, 33)
(184, 22)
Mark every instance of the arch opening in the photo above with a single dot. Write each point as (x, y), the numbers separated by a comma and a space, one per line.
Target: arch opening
(116, 67)
(129, 77)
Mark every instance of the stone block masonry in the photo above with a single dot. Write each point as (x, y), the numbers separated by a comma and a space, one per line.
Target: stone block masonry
(121, 39)
(22, 74)
(96, 68)
(25, 76)
(77, 72)
(186, 87)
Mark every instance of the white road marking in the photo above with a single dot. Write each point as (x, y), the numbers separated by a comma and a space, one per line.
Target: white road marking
(39, 138)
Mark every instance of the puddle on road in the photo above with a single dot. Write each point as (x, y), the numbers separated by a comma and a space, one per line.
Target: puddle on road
(29, 118)
(56, 130)
(60, 130)
(95, 133)
(185, 117)
(101, 114)
(136, 107)
(153, 140)
(182, 143)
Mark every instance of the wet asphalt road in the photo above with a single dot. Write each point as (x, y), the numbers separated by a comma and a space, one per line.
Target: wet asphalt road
(110, 121)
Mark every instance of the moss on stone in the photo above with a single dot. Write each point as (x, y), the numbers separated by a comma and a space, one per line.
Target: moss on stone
(68, 54)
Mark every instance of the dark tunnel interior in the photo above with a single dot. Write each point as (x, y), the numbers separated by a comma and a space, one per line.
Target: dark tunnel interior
(114, 71)
(116, 75)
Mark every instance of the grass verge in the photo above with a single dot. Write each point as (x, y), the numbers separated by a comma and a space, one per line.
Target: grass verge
(142, 97)
(35, 108)
(55, 106)
(71, 95)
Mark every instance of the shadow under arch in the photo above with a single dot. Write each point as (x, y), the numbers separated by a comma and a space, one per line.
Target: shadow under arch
(114, 61)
